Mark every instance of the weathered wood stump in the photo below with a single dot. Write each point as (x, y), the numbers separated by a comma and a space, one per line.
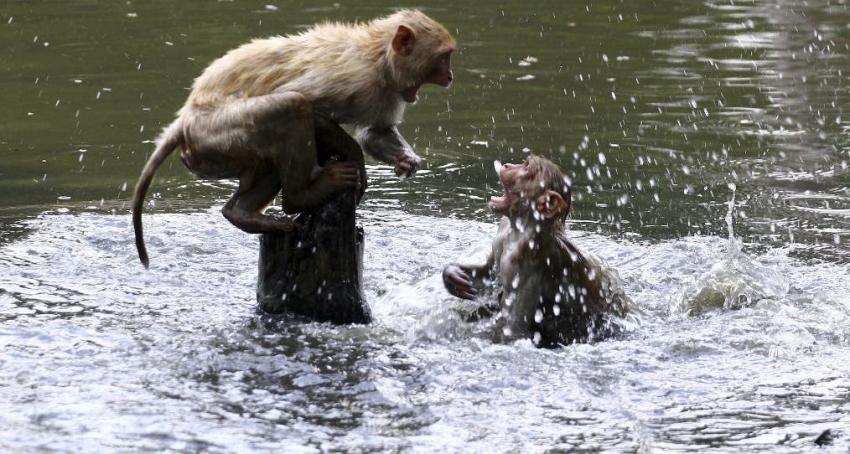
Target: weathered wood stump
(315, 271)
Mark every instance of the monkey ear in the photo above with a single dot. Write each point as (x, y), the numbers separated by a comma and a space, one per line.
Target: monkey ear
(403, 41)
(550, 204)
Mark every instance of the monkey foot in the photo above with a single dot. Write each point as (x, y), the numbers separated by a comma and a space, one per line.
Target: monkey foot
(282, 223)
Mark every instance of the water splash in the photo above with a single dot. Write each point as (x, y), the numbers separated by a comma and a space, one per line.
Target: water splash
(733, 282)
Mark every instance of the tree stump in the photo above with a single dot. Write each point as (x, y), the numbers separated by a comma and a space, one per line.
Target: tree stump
(315, 271)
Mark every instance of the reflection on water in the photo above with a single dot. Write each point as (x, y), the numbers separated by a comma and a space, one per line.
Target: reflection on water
(653, 111)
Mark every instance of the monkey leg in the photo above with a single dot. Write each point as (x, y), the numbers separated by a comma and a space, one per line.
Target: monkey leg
(286, 134)
(264, 141)
(244, 209)
(333, 141)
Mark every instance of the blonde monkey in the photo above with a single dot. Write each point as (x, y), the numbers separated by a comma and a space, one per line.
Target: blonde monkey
(251, 114)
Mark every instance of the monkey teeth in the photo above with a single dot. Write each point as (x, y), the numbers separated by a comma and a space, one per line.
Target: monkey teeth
(410, 95)
(499, 202)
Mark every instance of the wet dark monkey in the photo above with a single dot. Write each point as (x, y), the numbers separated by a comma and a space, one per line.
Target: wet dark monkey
(551, 291)
(251, 113)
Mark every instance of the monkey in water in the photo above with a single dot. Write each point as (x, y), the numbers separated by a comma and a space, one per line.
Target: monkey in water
(252, 114)
(550, 291)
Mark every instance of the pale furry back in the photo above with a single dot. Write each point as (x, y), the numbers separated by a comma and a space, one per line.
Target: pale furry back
(347, 71)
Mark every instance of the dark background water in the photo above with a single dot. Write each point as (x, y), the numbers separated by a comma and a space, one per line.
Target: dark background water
(656, 110)
(652, 107)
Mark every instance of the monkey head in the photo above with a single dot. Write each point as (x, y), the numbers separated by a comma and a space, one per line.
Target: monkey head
(536, 189)
(420, 53)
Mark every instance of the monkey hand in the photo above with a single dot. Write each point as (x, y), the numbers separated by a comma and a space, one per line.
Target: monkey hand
(340, 176)
(458, 283)
(406, 164)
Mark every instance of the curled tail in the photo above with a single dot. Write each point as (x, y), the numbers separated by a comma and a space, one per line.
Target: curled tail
(170, 139)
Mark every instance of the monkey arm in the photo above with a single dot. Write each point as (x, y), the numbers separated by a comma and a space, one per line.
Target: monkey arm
(387, 145)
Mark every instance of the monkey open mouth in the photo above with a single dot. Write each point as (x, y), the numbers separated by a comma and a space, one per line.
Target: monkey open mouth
(410, 94)
(499, 203)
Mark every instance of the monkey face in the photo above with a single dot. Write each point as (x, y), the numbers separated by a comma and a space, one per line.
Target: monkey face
(437, 70)
(535, 186)
(422, 51)
(441, 69)
(513, 177)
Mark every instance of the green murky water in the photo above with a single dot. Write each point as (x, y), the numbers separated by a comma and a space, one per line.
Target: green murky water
(653, 109)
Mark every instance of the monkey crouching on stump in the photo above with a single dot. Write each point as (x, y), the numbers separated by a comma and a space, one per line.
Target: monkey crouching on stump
(252, 114)
(550, 291)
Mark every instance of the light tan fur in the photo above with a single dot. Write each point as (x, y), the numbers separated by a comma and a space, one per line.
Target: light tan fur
(251, 113)
(347, 72)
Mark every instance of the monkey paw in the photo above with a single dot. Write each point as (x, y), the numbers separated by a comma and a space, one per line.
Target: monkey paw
(407, 164)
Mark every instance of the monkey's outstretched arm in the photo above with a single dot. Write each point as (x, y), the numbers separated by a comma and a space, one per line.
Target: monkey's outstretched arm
(464, 280)
(387, 145)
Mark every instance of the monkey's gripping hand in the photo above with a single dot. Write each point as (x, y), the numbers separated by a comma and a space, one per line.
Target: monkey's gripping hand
(387, 145)
(339, 176)
(458, 282)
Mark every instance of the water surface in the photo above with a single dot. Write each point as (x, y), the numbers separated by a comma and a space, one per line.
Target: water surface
(656, 110)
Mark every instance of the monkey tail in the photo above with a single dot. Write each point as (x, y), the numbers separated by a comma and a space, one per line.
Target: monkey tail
(170, 139)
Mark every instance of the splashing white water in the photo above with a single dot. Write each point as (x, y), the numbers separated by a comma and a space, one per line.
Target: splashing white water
(734, 281)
